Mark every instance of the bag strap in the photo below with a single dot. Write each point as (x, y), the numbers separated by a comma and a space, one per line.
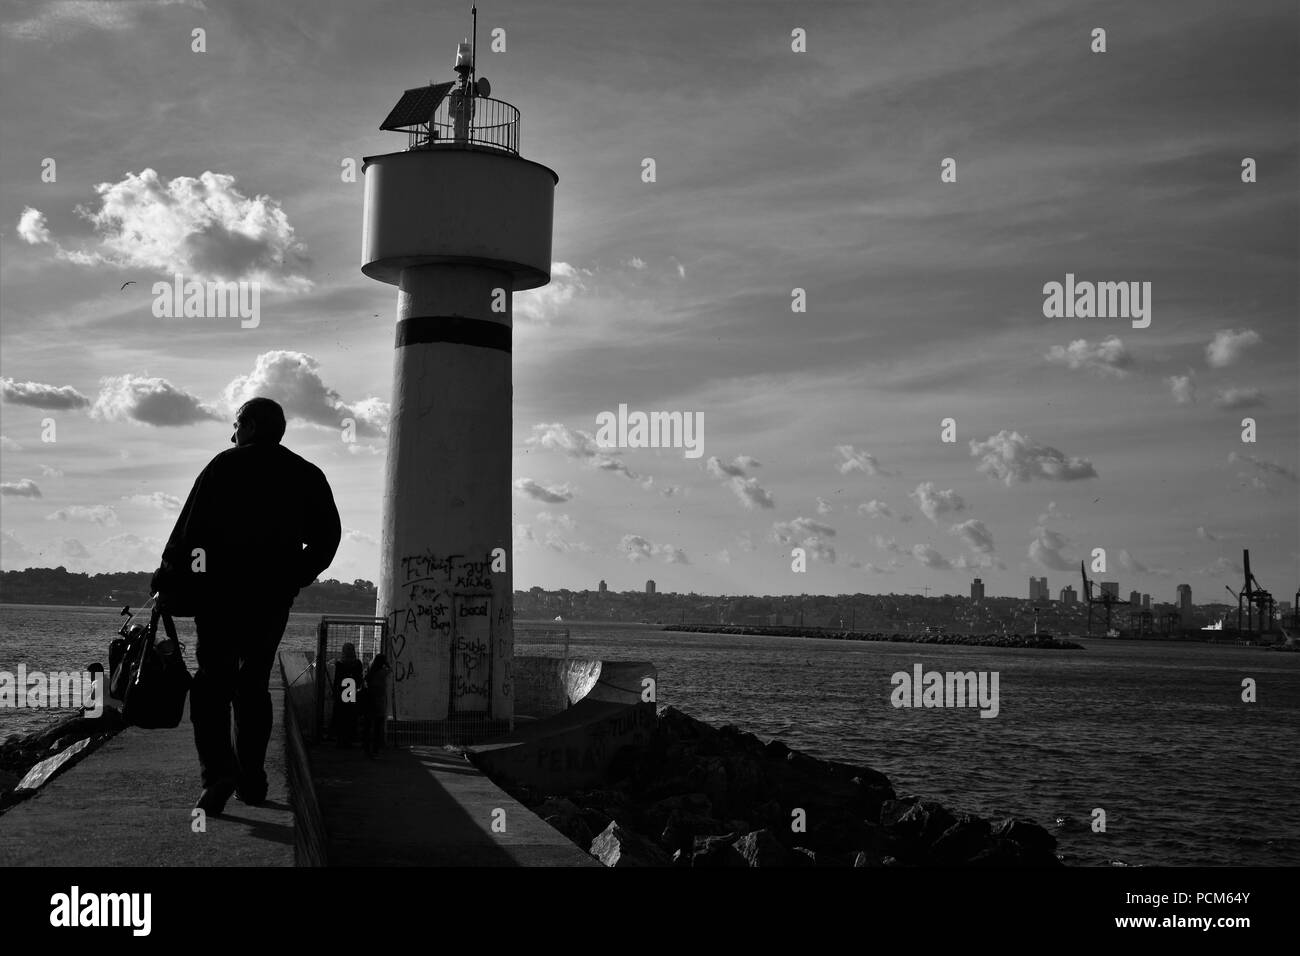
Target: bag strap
(169, 626)
(146, 645)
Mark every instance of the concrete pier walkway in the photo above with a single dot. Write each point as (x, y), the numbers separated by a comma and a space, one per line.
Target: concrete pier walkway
(427, 806)
(129, 803)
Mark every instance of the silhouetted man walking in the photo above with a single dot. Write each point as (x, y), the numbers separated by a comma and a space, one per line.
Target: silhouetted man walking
(260, 524)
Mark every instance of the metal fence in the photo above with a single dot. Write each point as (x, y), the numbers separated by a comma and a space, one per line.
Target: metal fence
(368, 636)
(543, 636)
(466, 122)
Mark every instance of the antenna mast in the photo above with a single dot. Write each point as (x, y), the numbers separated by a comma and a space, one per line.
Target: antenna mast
(473, 74)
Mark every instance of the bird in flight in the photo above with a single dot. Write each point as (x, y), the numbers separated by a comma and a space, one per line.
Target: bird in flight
(126, 283)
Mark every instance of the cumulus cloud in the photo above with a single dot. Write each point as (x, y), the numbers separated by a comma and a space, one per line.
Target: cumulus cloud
(977, 562)
(545, 303)
(933, 502)
(636, 262)
(808, 534)
(26, 488)
(158, 499)
(930, 558)
(1228, 344)
(855, 460)
(128, 552)
(39, 395)
(875, 509)
(751, 494)
(294, 380)
(557, 520)
(1206, 535)
(824, 507)
(557, 494)
(723, 556)
(204, 228)
(746, 488)
(73, 548)
(8, 444)
(745, 542)
(557, 526)
(150, 401)
(32, 228)
(1107, 358)
(360, 537)
(976, 535)
(1264, 465)
(736, 468)
(102, 515)
(1011, 457)
(48, 471)
(886, 544)
(1235, 398)
(1052, 513)
(13, 553)
(639, 548)
(1182, 388)
(1045, 550)
(579, 445)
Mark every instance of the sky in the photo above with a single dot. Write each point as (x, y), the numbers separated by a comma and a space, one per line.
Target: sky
(796, 146)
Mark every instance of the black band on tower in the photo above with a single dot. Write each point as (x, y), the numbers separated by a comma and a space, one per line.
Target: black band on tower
(454, 329)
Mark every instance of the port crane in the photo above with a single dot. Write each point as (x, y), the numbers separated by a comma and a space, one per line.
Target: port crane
(1252, 593)
(1107, 600)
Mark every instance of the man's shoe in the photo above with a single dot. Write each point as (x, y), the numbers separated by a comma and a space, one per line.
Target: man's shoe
(213, 798)
(251, 795)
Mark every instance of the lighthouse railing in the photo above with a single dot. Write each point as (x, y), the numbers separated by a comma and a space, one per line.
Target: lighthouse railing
(469, 122)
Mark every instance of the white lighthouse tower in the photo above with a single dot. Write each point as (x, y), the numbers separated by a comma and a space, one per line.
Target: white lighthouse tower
(458, 221)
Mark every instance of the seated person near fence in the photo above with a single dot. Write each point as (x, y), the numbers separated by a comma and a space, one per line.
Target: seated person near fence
(375, 705)
(346, 706)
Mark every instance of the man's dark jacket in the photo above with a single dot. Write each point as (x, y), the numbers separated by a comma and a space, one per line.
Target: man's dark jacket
(251, 510)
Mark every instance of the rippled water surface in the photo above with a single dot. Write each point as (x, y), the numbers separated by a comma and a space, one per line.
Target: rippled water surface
(1155, 734)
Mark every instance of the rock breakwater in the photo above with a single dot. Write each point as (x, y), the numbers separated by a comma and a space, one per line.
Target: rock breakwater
(697, 795)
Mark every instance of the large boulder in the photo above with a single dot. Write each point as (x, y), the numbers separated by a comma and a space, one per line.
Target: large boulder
(619, 846)
(717, 851)
(683, 826)
(761, 848)
(965, 839)
(1038, 845)
(913, 825)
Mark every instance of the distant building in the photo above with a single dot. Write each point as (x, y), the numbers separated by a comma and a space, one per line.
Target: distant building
(1185, 601)
(977, 590)
(1146, 602)
(602, 587)
(1111, 588)
(1069, 595)
(650, 587)
(1038, 589)
(1134, 598)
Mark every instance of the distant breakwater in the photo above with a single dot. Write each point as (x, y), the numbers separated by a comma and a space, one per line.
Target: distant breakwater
(1035, 641)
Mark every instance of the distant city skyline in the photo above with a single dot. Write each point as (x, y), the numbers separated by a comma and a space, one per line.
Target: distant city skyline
(798, 278)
